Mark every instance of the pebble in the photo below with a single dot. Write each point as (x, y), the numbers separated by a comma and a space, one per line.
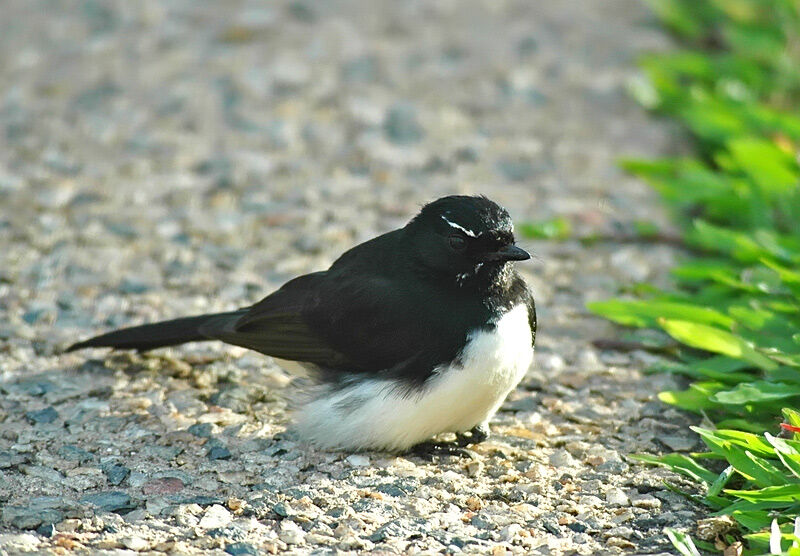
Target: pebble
(110, 501)
(357, 460)
(616, 497)
(16, 543)
(164, 485)
(202, 430)
(23, 517)
(115, 474)
(74, 453)
(561, 458)
(241, 549)
(401, 125)
(678, 443)
(42, 416)
(291, 533)
(215, 517)
(646, 501)
(136, 544)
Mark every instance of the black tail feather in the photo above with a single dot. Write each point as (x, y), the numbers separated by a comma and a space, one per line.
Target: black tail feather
(156, 335)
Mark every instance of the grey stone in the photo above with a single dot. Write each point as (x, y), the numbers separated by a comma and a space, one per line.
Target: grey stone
(401, 125)
(116, 473)
(241, 549)
(30, 517)
(109, 501)
(483, 521)
(74, 453)
(202, 430)
(42, 416)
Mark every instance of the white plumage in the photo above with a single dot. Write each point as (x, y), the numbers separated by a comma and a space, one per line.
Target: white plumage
(374, 414)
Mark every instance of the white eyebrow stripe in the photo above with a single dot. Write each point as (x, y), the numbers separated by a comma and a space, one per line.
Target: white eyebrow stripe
(470, 233)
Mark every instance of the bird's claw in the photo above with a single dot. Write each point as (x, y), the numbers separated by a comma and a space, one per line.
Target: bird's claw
(434, 450)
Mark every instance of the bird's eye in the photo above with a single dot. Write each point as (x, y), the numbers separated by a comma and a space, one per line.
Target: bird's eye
(457, 243)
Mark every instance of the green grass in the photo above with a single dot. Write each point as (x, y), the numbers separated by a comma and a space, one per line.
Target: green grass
(734, 309)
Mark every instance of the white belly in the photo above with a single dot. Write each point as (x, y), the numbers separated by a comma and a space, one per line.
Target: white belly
(374, 414)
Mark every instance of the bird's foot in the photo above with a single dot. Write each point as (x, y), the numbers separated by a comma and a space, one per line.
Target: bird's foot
(476, 435)
(434, 450)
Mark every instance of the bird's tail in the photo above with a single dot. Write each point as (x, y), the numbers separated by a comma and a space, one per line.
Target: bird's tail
(160, 334)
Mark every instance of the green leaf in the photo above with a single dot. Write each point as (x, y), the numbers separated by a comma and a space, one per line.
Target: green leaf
(792, 416)
(680, 463)
(557, 228)
(757, 392)
(716, 238)
(788, 454)
(747, 440)
(720, 482)
(772, 494)
(647, 313)
(754, 520)
(682, 542)
(713, 339)
(773, 170)
(696, 398)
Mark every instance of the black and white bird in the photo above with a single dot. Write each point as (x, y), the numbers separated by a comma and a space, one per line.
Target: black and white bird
(419, 331)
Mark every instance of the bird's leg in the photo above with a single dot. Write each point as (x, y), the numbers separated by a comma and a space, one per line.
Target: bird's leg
(476, 435)
(432, 450)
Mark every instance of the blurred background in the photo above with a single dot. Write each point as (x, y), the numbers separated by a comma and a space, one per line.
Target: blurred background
(211, 147)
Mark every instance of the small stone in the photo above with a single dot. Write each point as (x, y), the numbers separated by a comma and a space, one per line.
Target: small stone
(515, 170)
(474, 467)
(30, 517)
(42, 416)
(588, 360)
(473, 503)
(235, 504)
(561, 458)
(11, 543)
(387, 531)
(291, 533)
(216, 517)
(11, 459)
(219, 452)
(137, 544)
(678, 443)
(202, 430)
(357, 460)
(508, 533)
(483, 521)
(282, 509)
(620, 543)
(74, 453)
(241, 548)
(577, 526)
(528, 403)
(616, 497)
(115, 474)
(646, 501)
(164, 485)
(401, 126)
(110, 501)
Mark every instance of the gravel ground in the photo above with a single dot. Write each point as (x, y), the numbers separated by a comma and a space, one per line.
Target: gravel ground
(164, 159)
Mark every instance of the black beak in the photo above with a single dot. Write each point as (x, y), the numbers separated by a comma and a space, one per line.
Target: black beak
(507, 253)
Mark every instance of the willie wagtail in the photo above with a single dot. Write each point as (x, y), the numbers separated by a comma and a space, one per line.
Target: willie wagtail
(419, 331)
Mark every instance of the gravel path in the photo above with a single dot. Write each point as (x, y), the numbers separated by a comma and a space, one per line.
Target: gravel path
(162, 159)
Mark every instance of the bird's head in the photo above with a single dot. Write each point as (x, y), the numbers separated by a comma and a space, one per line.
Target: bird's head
(464, 237)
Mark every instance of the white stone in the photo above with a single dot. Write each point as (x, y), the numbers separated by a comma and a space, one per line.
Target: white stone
(216, 516)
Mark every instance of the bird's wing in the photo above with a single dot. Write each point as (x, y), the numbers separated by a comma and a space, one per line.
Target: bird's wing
(344, 324)
(276, 326)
